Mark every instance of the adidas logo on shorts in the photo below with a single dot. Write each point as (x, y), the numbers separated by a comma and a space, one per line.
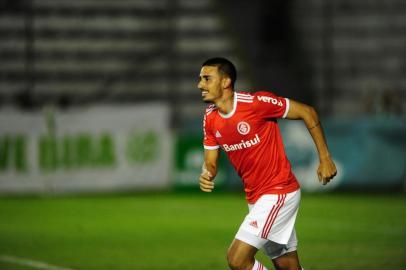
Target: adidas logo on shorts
(254, 224)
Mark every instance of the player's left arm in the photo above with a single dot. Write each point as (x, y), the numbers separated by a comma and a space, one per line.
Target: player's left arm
(327, 169)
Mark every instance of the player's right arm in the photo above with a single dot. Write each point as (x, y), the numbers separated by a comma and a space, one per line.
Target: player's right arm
(211, 154)
(209, 170)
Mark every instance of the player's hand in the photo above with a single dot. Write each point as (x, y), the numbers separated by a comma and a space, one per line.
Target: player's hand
(206, 181)
(327, 170)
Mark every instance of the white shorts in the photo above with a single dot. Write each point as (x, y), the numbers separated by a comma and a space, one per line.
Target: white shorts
(270, 224)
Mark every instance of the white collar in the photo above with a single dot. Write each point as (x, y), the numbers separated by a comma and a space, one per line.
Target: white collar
(228, 115)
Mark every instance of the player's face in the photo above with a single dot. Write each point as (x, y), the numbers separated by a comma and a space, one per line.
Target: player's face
(210, 84)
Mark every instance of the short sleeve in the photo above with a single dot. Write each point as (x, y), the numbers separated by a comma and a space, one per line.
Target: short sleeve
(209, 140)
(269, 105)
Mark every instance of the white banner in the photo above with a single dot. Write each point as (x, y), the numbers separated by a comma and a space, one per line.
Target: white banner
(101, 148)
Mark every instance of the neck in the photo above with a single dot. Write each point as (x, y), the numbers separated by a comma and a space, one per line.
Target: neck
(226, 102)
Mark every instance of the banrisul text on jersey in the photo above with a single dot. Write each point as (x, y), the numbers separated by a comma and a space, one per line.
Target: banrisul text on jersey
(242, 145)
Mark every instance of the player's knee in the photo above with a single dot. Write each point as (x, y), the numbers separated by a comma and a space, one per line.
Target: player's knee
(236, 262)
(232, 260)
(236, 265)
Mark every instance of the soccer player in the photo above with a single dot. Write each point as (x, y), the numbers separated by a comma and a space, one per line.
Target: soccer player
(244, 125)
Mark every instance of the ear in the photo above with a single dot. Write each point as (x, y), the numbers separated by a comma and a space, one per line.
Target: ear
(226, 82)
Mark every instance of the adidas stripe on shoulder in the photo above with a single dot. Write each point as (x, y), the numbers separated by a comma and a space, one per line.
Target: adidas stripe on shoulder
(247, 98)
(210, 108)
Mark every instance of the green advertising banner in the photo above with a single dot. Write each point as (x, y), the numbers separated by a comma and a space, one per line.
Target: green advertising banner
(189, 158)
(102, 148)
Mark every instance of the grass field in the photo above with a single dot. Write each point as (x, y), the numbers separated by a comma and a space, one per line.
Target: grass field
(192, 231)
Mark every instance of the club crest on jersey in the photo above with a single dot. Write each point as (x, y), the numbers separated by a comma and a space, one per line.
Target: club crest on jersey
(243, 128)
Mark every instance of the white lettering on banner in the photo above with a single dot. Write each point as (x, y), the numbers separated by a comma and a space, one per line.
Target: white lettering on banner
(242, 145)
(270, 100)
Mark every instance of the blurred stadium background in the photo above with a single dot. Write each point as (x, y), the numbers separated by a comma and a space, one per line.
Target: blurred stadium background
(100, 129)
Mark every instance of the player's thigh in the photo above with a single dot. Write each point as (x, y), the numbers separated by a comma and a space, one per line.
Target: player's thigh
(288, 261)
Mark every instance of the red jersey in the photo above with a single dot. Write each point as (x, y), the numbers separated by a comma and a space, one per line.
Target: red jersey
(251, 138)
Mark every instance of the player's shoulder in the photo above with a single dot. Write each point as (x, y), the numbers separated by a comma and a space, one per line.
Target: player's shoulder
(263, 93)
(256, 95)
(243, 97)
(243, 94)
(266, 97)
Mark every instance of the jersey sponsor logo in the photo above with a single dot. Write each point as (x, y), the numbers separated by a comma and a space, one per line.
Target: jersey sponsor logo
(243, 128)
(242, 145)
(218, 135)
(270, 100)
